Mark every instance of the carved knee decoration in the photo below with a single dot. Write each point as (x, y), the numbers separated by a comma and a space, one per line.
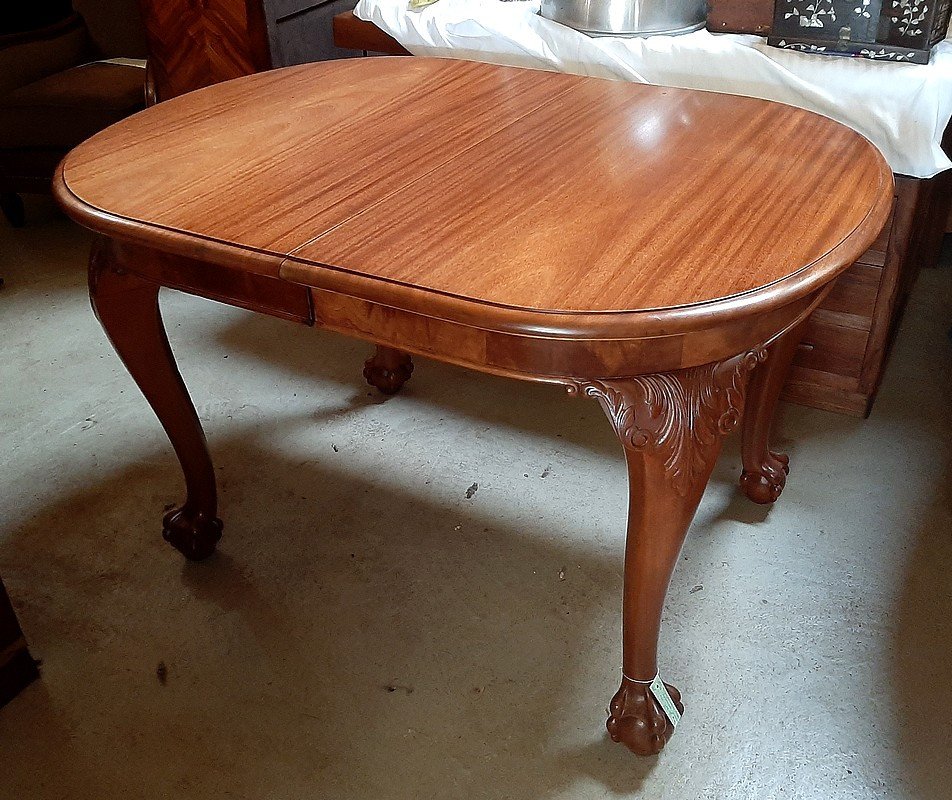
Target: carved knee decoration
(671, 426)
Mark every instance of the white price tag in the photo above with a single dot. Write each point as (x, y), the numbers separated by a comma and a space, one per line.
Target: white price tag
(661, 694)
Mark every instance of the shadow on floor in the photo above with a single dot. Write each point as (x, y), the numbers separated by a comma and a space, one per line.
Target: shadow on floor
(350, 640)
(347, 640)
(498, 401)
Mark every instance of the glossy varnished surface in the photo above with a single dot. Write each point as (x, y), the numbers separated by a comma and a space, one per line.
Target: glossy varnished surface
(272, 160)
(418, 182)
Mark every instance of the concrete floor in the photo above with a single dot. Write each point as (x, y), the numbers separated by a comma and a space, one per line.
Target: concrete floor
(366, 631)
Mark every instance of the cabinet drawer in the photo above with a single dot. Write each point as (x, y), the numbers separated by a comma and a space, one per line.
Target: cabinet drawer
(854, 293)
(833, 348)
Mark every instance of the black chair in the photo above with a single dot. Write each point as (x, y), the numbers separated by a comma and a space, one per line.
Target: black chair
(66, 72)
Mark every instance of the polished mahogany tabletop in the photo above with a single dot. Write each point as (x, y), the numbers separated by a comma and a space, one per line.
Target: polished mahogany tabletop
(656, 249)
(505, 187)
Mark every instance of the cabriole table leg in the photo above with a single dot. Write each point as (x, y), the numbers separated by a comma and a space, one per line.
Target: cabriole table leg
(671, 426)
(127, 306)
(765, 472)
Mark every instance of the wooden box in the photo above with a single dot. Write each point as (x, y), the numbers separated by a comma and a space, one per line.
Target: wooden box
(740, 16)
(885, 30)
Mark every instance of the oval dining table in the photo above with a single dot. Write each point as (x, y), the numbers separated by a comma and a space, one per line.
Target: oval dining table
(653, 248)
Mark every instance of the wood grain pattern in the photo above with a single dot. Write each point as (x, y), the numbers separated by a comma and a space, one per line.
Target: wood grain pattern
(340, 136)
(197, 43)
(458, 193)
(618, 198)
(815, 387)
(531, 355)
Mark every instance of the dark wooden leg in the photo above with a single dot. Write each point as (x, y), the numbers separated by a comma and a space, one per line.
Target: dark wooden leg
(128, 309)
(671, 427)
(12, 206)
(765, 472)
(388, 369)
(17, 667)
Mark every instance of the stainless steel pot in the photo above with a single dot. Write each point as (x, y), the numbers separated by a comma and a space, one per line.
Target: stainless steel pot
(627, 17)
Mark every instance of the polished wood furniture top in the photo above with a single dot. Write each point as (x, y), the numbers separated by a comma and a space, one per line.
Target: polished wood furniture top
(544, 226)
(519, 191)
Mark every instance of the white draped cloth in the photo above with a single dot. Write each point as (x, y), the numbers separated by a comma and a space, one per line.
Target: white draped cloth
(902, 108)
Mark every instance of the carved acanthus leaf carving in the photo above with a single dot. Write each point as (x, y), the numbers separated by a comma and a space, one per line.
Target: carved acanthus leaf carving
(677, 414)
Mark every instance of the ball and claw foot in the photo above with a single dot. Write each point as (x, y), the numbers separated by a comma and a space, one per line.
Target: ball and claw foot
(388, 370)
(636, 719)
(765, 486)
(193, 534)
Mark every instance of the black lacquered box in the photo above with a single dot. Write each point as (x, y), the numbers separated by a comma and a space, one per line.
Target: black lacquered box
(887, 30)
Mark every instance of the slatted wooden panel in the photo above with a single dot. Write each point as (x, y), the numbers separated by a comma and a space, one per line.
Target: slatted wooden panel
(195, 43)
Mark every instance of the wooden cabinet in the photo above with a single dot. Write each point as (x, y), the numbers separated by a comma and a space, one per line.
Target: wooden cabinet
(192, 45)
(847, 340)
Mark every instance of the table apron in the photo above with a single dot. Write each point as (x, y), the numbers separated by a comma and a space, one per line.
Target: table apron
(224, 284)
(546, 359)
(525, 356)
